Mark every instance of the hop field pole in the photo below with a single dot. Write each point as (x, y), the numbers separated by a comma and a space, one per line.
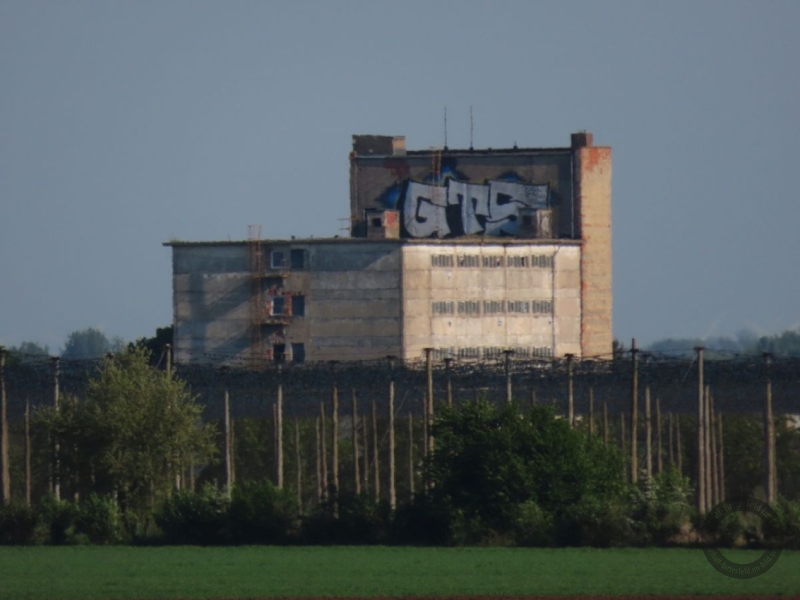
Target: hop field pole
(324, 450)
(769, 433)
(228, 462)
(659, 449)
(55, 477)
(4, 467)
(27, 452)
(648, 424)
(376, 470)
(392, 488)
(712, 442)
(670, 444)
(509, 389)
(707, 452)
(570, 397)
(701, 444)
(678, 444)
(721, 457)
(318, 448)
(634, 411)
(365, 439)
(356, 473)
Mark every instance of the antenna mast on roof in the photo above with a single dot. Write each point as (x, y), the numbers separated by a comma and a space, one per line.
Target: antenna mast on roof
(470, 128)
(445, 127)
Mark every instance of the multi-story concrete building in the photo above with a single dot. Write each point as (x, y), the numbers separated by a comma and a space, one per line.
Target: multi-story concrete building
(469, 252)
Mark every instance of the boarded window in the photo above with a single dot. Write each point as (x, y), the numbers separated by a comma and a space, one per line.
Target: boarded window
(299, 353)
(298, 259)
(299, 306)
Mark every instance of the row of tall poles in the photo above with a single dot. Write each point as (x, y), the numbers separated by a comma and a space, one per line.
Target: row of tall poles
(709, 468)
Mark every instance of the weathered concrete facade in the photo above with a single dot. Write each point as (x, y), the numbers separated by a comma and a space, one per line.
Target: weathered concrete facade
(469, 252)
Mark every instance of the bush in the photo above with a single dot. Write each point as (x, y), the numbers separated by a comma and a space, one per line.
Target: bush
(534, 526)
(595, 522)
(660, 508)
(99, 519)
(190, 517)
(359, 522)
(260, 513)
(17, 524)
(57, 521)
(426, 521)
(785, 533)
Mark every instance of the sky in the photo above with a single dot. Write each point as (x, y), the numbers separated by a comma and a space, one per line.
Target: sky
(127, 124)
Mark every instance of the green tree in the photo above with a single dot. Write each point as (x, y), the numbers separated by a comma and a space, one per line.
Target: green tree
(133, 432)
(491, 460)
(89, 343)
(156, 344)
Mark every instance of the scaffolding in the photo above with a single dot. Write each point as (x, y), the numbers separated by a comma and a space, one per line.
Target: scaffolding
(255, 250)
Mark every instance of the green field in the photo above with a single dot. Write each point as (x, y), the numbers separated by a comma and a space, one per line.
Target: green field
(239, 572)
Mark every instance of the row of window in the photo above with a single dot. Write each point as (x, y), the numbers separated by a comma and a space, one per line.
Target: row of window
(279, 354)
(296, 308)
(544, 261)
(475, 308)
(479, 353)
(293, 259)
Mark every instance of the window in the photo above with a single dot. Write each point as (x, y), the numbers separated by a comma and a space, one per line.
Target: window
(492, 261)
(527, 220)
(519, 306)
(279, 353)
(278, 305)
(544, 261)
(299, 353)
(298, 258)
(542, 306)
(494, 306)
(443, 308)
(468, 260)
(278, 259)
(376, 222)
(471, 308)
(299, 306)
(543, 352)
(442, 260)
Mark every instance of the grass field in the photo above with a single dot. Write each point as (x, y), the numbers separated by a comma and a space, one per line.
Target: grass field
(240, 572)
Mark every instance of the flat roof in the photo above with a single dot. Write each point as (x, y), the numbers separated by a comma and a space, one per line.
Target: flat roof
(459, 241)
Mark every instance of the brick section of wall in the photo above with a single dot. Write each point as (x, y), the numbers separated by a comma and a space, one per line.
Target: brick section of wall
(593, 208)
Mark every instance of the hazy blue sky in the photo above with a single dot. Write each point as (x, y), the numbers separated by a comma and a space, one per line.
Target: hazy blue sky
(126, 124)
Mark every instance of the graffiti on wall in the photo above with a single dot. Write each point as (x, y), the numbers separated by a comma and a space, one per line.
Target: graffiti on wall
(462, 208)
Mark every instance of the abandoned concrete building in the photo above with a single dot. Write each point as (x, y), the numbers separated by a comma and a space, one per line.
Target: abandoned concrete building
(469, 252)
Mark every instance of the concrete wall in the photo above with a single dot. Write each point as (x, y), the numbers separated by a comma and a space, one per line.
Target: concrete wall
(439, 278)
(351, 290)
(381, 180)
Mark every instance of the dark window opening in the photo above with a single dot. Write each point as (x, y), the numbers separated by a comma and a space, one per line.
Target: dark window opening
(298, 259)
(279, 353)
(299, 353)
(278, 305)
(278, 259)
(298, 306)
(527, 220)
(376, 222)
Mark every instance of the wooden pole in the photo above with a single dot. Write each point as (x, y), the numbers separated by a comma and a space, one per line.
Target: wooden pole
(228, 469)
(335, 452)
(365, 438)
(376, 471)
(591, 412)
(429, 368)
(56, 477)
(447, 363)
(701, 443)
(678, 444)
(356, 473)
(233, 451)
(648, 430)
(721, 458)
(708, 456)
(280, 431)
(410, 457)
(6, 471)
(318, 461)
(27, 452)
(634, 412)
(297, 461)
(712, 422)
(168, 354)
(769, 434)
(509, 390)
(324, 452)
(392, 489)
(659, 450)
(570, 397)
(622, 436)
(670, 444)
(425, 438)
